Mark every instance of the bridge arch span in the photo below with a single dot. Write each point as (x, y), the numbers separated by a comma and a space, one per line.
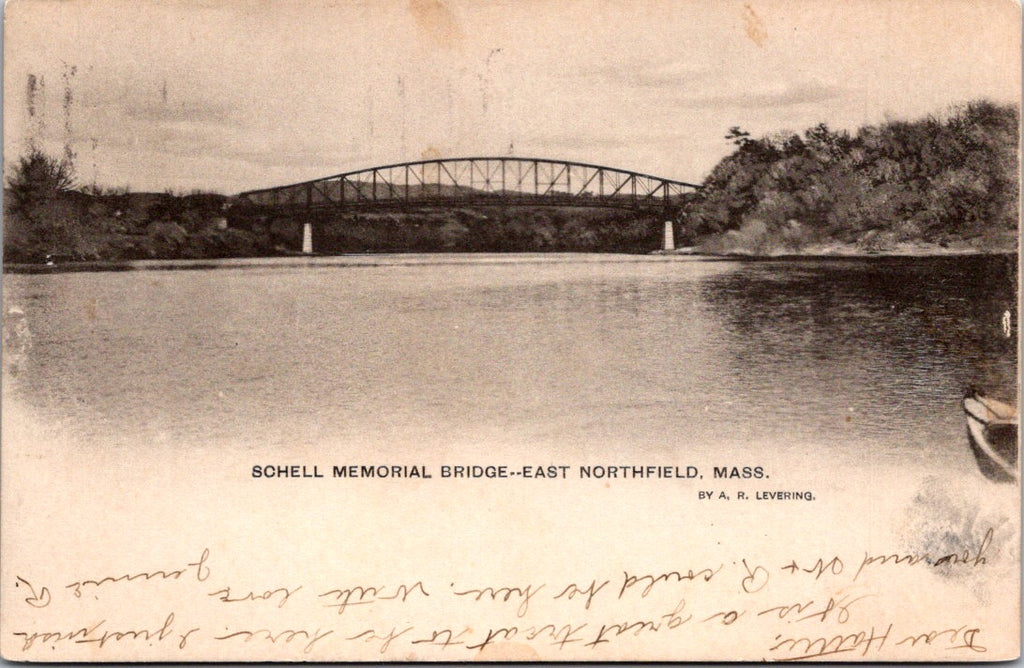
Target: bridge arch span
(478, 181)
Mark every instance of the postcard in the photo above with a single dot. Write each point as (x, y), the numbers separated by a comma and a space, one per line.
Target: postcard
(446, 330)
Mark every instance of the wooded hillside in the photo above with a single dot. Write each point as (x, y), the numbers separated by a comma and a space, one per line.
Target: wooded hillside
(951, 182)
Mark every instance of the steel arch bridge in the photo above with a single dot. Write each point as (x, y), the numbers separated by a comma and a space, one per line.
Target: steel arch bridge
(501, 181)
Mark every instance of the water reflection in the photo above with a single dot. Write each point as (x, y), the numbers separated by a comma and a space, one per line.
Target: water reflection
(891, 342)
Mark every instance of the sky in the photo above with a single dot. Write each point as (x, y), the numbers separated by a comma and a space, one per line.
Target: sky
(229, 95)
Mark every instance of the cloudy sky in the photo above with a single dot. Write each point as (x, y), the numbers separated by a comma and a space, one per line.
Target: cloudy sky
(229, 95)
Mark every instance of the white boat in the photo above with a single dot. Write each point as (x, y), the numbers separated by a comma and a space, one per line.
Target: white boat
(992, 428)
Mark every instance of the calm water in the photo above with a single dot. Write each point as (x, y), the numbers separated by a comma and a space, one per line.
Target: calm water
(616, 355)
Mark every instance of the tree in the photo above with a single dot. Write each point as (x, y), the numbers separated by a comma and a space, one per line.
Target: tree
(738, 136)
(38, 177)
(42, 216)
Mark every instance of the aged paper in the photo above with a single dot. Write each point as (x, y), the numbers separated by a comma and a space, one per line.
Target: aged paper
(260, 434)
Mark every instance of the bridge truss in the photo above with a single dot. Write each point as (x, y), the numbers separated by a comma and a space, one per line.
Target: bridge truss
(478, 181)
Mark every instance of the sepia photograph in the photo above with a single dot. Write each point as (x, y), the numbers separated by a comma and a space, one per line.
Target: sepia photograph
(455, 330)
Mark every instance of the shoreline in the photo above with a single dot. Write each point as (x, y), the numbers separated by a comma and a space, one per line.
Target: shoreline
(169, 264)
(844, 251)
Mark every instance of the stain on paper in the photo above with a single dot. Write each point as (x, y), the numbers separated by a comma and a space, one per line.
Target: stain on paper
(33, 86)
(942, 523)
(436, 22)
(754, 25)
(69, 98)
(430, 153)
(507, 651)
(17, 340)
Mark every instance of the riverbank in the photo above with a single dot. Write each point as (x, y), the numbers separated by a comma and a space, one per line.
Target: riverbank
(448, 258)
(837, 250)
(86, 228)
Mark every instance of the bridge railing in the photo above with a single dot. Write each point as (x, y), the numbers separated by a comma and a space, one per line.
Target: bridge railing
(478, 180)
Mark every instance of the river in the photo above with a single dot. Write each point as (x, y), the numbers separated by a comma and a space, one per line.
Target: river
(608, 357)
